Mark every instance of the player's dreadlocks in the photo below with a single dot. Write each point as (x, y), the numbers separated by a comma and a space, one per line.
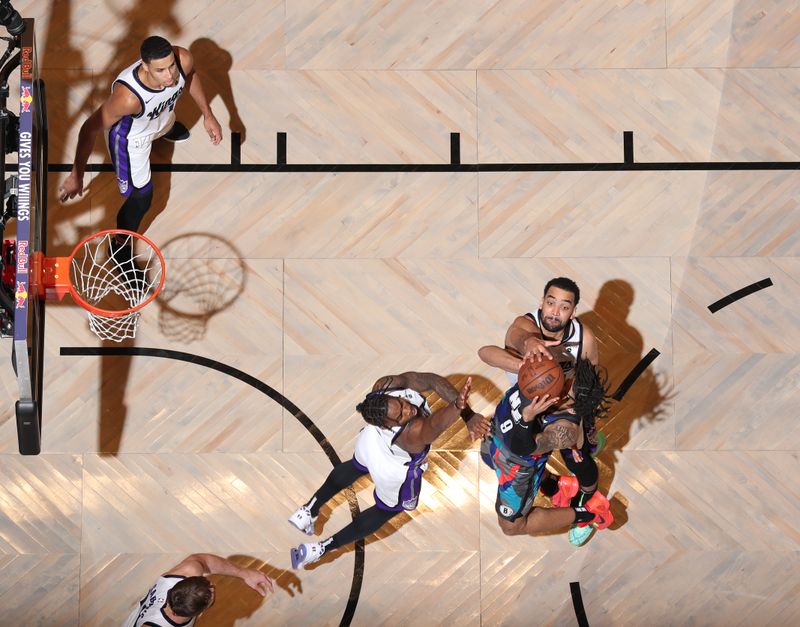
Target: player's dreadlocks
(375, 406)
(590, 389)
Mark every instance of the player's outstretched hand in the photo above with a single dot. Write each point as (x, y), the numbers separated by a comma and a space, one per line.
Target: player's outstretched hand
(258, 581)
(71, 187)
(538, 405)
(213, 128)
(463, 395)
(538, 348)
(478, 426)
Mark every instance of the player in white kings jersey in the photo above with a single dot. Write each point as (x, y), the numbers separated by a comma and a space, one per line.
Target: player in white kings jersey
(140, 109)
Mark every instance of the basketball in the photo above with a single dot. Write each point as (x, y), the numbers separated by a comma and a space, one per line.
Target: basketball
(537, 378)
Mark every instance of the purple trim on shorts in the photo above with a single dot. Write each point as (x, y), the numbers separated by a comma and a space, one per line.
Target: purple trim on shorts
(147, 187)
(120, 158)
(387, 508)
(358, 465)
(410, 488)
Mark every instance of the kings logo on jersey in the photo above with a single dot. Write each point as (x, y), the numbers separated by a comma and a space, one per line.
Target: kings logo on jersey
(167, 104)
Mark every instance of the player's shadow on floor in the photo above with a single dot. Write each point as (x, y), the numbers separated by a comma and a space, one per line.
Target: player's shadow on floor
(214, 64)
(236, 601)
(114, 370)
(102, 200)
(645, 403)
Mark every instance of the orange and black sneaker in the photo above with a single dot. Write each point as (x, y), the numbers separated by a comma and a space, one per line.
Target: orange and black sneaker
(567, 488)
(600, 508)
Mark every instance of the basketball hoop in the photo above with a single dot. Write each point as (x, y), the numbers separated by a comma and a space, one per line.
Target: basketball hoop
(112, 274)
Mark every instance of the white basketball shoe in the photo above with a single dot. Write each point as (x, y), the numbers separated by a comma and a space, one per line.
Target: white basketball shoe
(303, 520)
(307, 553)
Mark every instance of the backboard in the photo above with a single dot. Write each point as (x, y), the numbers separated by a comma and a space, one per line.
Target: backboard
(29, 314)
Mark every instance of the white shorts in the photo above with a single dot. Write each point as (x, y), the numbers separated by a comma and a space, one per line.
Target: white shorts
(396, 473)
(131, 156)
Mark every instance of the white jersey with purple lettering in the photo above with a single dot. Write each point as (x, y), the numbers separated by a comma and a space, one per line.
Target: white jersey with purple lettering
(397, 473)
(129, 139)
(151, 608)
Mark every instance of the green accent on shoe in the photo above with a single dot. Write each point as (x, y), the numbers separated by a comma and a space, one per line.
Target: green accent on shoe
(579, 535)
(601, 444)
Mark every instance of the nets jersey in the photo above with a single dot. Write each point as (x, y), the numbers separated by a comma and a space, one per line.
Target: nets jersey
(151, 607)
(507, 415)
(396, 472)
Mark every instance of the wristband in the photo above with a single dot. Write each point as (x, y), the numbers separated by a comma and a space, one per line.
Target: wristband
(467, 413)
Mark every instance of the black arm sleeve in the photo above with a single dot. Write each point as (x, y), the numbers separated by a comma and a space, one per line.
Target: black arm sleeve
(521, 440)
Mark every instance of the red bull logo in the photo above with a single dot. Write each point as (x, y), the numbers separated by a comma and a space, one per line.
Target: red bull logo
(21, 295)
(26, 63)
(22, 257)
(26, 99)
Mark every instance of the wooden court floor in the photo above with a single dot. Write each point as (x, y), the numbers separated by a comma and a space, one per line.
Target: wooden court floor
(316, 283)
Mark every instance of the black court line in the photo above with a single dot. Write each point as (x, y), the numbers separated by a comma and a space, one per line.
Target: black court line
(358, 570)
(285, 168)
(280, 149)
(455, 148)
(734, 296)
(577, 603)
(282, 167)
(627, 142)
(236, 148)
(634, 374)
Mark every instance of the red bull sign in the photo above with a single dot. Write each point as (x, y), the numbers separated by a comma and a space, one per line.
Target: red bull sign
(26, 99)
(26, 63)
(22, 257)
(21, 295)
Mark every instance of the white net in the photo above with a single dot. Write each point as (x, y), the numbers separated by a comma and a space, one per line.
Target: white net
(115, 272)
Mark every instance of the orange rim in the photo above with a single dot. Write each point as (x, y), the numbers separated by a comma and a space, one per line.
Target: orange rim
(112, 313)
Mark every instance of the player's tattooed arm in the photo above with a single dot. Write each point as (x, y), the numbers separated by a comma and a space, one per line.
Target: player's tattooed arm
(420, 433)
(559, 435)
(477, 424)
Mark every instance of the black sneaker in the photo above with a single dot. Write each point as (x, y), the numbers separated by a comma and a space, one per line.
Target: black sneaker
(177, 134)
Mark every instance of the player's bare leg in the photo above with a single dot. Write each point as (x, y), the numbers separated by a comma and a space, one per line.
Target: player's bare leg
(596, 514)
(540, 519)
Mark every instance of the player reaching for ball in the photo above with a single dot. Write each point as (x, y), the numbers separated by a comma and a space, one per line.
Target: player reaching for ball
(554, 333)
(551, 332)
(392, 448)
(523, 434)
